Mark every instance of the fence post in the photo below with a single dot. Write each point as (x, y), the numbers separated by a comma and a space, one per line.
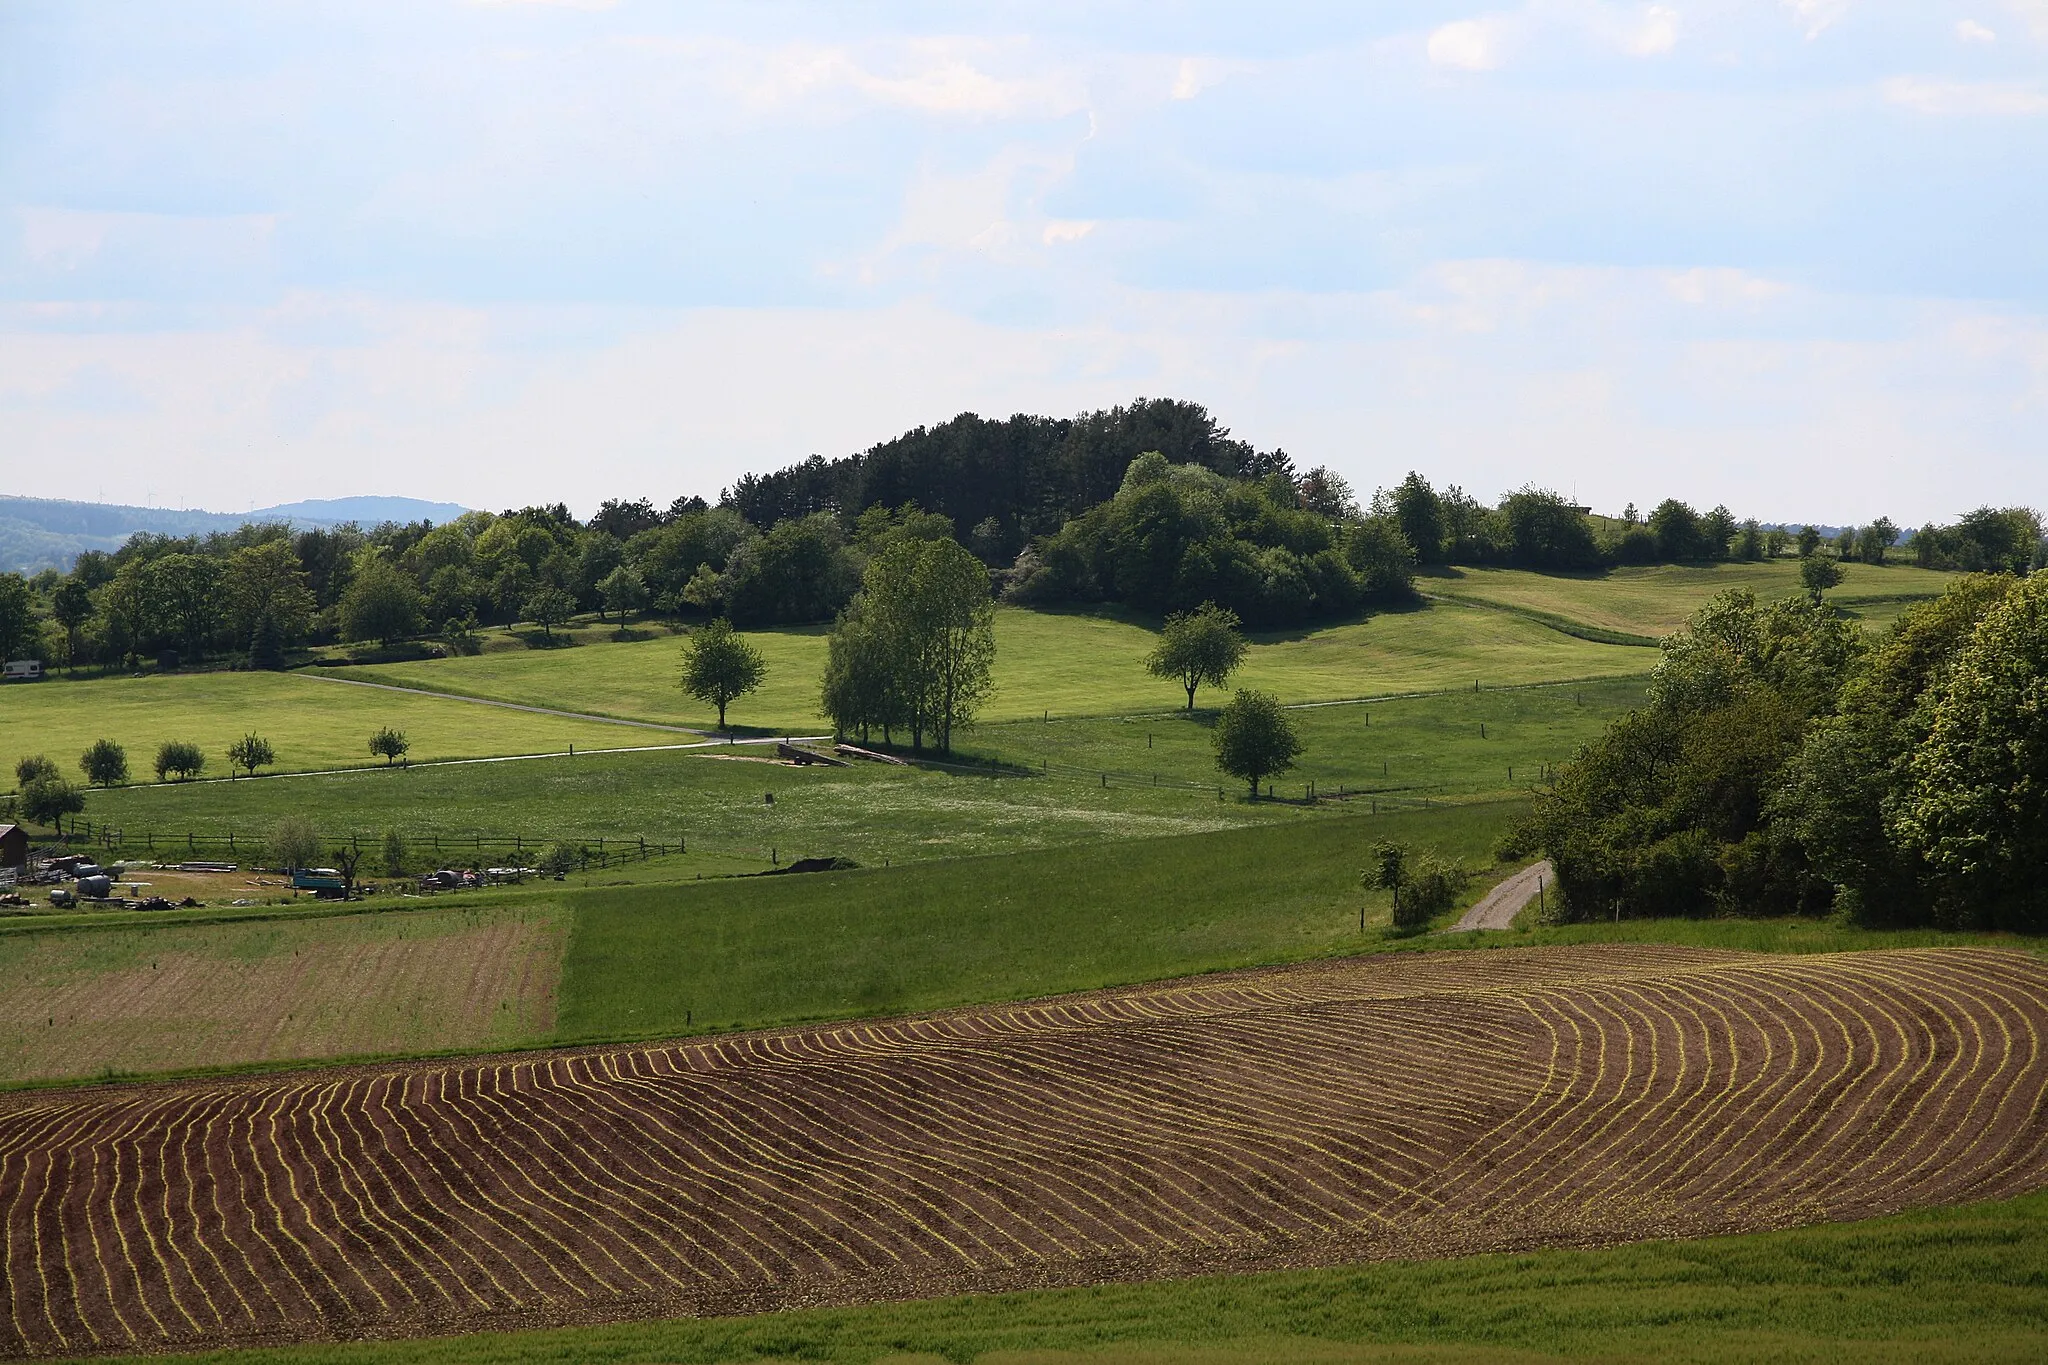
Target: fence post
(231, 841)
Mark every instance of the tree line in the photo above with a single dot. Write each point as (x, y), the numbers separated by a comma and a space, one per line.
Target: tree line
(1784, 764)
(1153, 504)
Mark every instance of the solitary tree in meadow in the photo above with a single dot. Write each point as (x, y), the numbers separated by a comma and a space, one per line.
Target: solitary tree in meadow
(1196, 647)
(719, 666)
(1254, 739)
(105, 764)
(1819, 573)
(389, 744)
(249, 753)
(179, 756)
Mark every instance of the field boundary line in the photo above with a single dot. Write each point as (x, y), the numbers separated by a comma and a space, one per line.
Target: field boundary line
(508, 705)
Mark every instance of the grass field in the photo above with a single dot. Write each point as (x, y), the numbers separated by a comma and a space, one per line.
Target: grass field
(1950, 1285)
(714, 803)
(312, 724)
(656, 960)
(144, 999)
(1458, 742)
(1065, 663)
(1397, 747)
(1655, 600)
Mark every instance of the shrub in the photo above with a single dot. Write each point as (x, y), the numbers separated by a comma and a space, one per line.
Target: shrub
(394, 853)
(1434, 885)
(293, 844)
(560, 859)
(1424, 885)
(179, 756)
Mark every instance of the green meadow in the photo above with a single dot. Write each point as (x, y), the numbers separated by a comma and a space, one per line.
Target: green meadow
(312, 724)
(744, 953)
(1654, 600)
(1063, 663)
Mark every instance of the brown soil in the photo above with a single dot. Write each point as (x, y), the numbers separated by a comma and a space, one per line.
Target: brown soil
(1414, 1106)
(169, 998)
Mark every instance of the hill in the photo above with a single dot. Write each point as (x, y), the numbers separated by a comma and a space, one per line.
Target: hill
(50, 533)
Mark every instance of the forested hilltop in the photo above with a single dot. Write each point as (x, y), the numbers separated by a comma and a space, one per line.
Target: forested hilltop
(1154, 505)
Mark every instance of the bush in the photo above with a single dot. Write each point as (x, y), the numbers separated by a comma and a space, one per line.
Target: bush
(1434, 885)
(179, 756)
(1424, 885)
(293, 844)
(560, 859)
(394, 853)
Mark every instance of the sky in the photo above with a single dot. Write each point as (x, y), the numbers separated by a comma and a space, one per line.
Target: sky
(1787, 255)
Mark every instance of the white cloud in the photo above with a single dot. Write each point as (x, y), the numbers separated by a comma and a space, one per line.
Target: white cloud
(1058, 230)
(1187, 82)
(1659, 32)
(2032, 13)
(1723, 288)
(1817, 16)
(1964, 98)
(1470, 44)
(1970, 31)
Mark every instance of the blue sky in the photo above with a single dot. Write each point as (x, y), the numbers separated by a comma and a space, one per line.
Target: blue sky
(1791, 255)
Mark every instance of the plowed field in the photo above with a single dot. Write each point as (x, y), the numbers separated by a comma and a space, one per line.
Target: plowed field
(1399, 1106)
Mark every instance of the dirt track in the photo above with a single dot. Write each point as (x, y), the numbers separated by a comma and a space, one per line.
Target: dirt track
(1414, 1105)
(1497, 908)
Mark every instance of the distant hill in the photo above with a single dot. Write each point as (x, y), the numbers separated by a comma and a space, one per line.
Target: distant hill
(50, 533)
(362, 511)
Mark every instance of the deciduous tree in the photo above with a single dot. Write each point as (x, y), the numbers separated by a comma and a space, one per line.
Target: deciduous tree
(1818, 573)
(719, 666)
(249, 753)
(181, 757)
(105, 764)
(389, 744)
(1254, 739)
(1197, 647)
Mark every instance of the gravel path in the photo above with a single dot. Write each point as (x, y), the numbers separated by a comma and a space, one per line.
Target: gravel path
(1498, 908)
(506, 705)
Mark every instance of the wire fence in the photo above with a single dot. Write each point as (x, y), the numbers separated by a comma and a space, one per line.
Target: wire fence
(442, 849)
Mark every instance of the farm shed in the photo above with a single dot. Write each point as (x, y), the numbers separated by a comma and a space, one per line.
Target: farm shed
(13, 846)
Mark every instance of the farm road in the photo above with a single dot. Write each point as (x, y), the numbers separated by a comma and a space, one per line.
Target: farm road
(1497, 908)
(509, 705)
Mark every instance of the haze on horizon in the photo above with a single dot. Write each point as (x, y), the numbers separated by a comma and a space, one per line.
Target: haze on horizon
(1785, 254)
